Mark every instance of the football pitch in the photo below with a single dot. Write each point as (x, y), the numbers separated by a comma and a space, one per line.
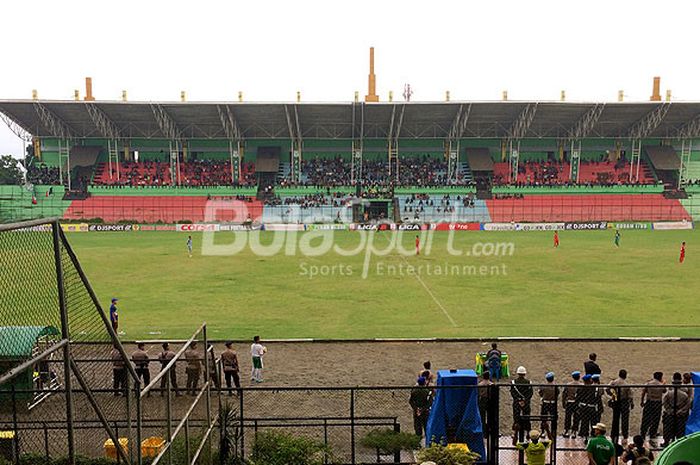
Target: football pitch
(356, 285)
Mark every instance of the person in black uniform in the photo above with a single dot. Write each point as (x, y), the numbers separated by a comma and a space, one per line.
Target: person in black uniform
(521, 392)
(586, 400)
(590, 367)
(420, 402)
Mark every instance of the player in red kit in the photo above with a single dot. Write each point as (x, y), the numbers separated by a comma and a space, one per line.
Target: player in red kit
(417, 245)
(556, 239)
(682, 258)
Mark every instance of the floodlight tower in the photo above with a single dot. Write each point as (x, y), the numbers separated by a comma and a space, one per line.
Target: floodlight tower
(407, 92)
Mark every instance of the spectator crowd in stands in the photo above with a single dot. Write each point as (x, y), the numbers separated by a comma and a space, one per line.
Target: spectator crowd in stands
(195, 173)
(421, 171)
(556, 173)
(335, 199)
(413, 171)
(417, 203)
(43, 175)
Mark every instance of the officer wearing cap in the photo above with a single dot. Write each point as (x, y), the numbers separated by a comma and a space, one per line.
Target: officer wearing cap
(549, 394)
(114, 314)
(535, 449)
(586, 403)
(420, 402)
(521, 392)
(599, 449)
(568, 403)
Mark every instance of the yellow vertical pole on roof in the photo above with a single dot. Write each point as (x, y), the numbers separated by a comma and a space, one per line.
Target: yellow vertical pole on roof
(37, 147)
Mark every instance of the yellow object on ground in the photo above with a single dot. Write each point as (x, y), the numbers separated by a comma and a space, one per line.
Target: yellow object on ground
(7, 434)
(111, 451)
(458, 445)
(151, 447)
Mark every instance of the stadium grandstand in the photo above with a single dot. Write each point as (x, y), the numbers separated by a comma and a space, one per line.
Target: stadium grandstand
(466, 161)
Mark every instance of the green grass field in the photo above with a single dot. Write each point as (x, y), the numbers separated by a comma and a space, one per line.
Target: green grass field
(586, 288)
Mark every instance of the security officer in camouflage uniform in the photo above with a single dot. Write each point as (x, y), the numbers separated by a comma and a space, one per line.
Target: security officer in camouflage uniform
(549, 395)
(568, 403)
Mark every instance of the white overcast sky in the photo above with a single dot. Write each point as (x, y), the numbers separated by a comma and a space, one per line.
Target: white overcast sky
(270, 49)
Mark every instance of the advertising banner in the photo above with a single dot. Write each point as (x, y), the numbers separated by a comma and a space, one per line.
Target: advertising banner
(639, 225)
(372, 226)
(586, 226)
(282, 227)
(196, 227)
(669, 225)
(456, 226)
(79, 227)
(498, 226)
(539, 226)
(112, 227)
(327, 227)
(239, 227)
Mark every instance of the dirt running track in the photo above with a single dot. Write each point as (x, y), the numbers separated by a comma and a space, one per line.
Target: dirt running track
(397, 363)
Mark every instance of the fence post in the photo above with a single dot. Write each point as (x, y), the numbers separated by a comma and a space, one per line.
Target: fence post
(187, 440)
(129, 432)
(493, 423)
(616, 408)
(169, 412)
(209, 376)
(46, 443)
(397, 453)
(15, 442)
(137, 446)
(352, 426)
(116, 433)
(554, 426)
(242, 421)
(65, 334)
(674, 419)
(325, 438)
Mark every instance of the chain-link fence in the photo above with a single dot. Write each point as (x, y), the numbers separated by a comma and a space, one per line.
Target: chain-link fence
(68, 387)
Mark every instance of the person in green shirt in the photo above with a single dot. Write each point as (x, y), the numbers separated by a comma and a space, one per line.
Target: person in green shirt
(599, 449)
(535, 450)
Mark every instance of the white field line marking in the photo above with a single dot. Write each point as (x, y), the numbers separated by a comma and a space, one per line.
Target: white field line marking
(430, 293)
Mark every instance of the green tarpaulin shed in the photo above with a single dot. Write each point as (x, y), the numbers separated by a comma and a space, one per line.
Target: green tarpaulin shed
(17, 342)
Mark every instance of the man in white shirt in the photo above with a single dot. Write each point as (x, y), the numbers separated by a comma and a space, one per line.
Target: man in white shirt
(257, 351)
